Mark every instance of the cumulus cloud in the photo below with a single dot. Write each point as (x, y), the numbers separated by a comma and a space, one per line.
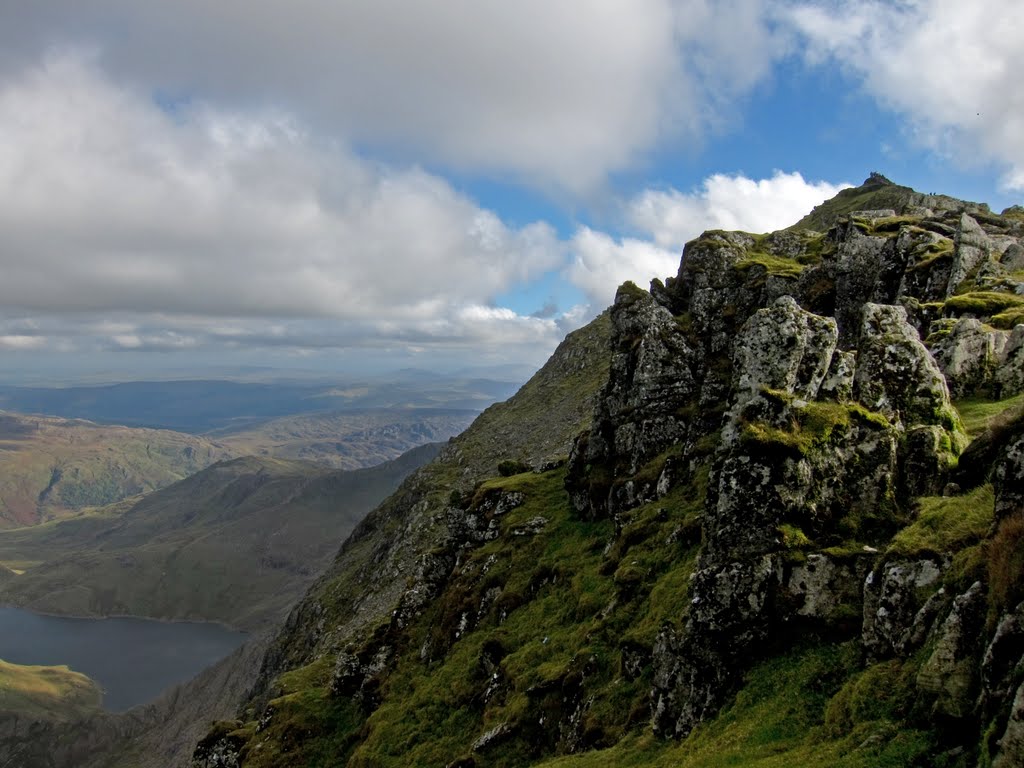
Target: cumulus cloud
(953, 68)
(552, 93)
(109, 204)
(724, 201)
(601, 263)
(667, 219)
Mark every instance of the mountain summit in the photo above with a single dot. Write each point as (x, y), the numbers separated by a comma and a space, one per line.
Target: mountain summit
(740, 501)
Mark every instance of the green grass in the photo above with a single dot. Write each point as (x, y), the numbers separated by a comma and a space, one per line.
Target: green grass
(774, 265)
(979, 413)
(946, 524)
(567, 607)
(868, 198)
(47, 693)
(792, 711)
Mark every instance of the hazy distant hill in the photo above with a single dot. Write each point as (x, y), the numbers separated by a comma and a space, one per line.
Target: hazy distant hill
(51, 467)
(347, 439)
(201, 406)
(237, 543)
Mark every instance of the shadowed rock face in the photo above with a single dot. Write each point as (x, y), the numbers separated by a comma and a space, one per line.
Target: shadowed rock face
(797, 386)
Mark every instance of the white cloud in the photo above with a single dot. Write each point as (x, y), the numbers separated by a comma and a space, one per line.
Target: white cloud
(952, 68)
(557, 94)
(115, 210)
(602, 263)
(21, 342)
(672, 218)
(667, 219)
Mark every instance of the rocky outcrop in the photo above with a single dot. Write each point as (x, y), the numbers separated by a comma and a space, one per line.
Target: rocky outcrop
(787, 458)
(765, 421)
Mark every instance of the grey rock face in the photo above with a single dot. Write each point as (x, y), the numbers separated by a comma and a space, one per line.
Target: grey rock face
(1011, 745)
(641, 411)
(970, 355)
(786, 348)
(898, 606)
(951, 672)
(825, 588)
(1008, 377)
(896, 375)
(1013, 258)
(869, 269)
(1003, 656)
(1008, 477)
(973, 246)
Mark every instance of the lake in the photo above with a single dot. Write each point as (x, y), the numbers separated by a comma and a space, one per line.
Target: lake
(133, 660)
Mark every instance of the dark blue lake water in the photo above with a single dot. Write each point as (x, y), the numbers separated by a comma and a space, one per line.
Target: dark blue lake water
(134, 660)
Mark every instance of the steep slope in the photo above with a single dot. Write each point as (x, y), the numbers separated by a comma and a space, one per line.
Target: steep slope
(238, 543)
(52, 467)
(762, 550)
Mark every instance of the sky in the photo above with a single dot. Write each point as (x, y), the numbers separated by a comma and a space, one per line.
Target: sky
(369, 185)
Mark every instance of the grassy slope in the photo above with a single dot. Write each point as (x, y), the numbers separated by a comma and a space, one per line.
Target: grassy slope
(52, 467)
(567, 598)
(237, 542)
(47, 693)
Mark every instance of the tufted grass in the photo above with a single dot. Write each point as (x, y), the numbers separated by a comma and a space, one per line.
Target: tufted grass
(946, 524)
(979, 413)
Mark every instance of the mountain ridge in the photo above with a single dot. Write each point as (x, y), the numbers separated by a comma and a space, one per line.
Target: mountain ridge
(755, 507)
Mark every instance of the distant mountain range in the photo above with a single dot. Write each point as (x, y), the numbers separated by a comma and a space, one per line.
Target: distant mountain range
(201, 406)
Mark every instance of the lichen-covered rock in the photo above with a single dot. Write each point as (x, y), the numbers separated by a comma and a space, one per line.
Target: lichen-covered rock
(1011, 745)
(784, 347)
(897, 376)
(1012, 258)
(827, 589)
(1003, 657)
(638, 413)
(898, 608)
(951, 672)
(868, 269)
(1008, 378)
(1008, 474)
(973, 247)
(970, 355)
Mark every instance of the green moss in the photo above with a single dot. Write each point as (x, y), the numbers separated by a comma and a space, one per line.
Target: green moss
(983, 303)
(929, 255)
(813, 424)
(774, 265)
(793, 537)
(946, 523)
(892, 225)
(1009, 319)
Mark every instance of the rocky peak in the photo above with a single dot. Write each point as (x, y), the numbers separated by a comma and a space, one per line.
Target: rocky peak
(756, 462)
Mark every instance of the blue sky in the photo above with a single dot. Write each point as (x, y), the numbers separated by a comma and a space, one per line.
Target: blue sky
(367, 185)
